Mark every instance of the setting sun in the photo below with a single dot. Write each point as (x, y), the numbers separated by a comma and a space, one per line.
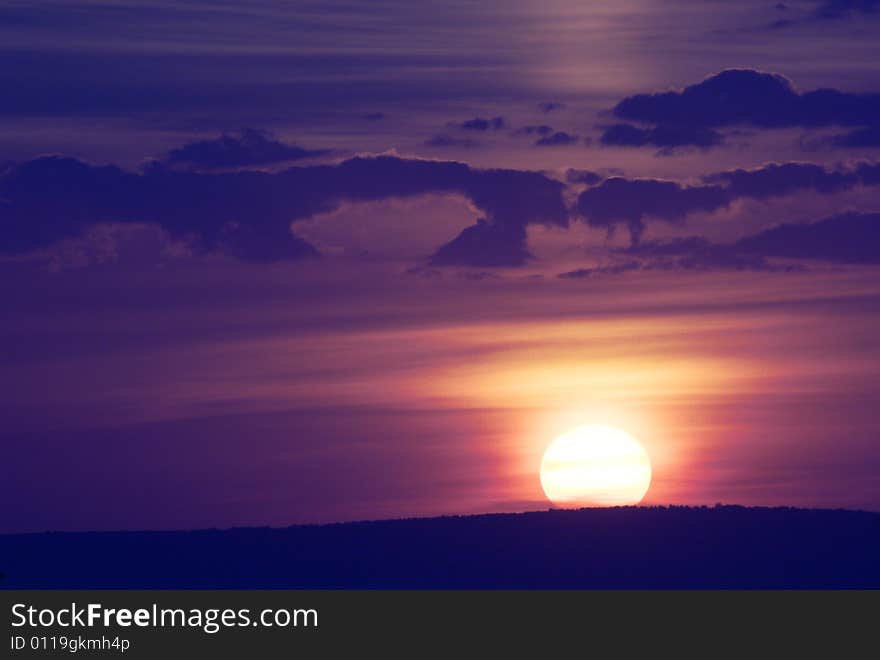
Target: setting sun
(595, 466)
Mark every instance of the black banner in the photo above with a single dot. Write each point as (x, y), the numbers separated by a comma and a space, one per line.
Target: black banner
(269, 624)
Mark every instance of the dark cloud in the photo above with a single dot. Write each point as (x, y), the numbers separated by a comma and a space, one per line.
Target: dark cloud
(583, 176)
(613, 269)
(485, 244)
(669, 137)
(697, 253)
(828, 10)
(550, 106)
(868, 174)
(844, 238)
(374, 116)
(744, 96)
(776, 180)
(852, 238)
(860, 138)
(674, 247)
(446, 140)
(694, 254)
(558, 139)
(50, 199)
(630, 201)
(246, 148)
(540, 129)
(481, 124)
(515, 199)
(248, 214)
(836, 9)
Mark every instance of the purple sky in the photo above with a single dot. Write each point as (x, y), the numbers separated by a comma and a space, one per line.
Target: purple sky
(279, 262)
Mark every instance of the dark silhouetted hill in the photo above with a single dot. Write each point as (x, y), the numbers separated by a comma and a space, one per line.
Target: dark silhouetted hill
(633, 547)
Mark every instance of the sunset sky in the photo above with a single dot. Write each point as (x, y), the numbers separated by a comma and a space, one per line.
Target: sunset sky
(274, 262)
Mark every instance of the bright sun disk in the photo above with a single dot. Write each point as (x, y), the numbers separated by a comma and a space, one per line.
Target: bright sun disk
(595, 466)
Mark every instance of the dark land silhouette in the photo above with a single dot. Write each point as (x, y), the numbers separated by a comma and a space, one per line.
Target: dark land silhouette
(630, 547)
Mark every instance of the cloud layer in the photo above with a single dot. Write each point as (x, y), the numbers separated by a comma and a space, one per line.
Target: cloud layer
(848, 238)
(852, 238)
(248, 214)
(243, 149)
(667, 137)
(630, 202)
(481, 124)
(744, 96)
(557, 139)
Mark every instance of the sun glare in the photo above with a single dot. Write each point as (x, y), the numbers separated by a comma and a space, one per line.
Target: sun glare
(595, 466)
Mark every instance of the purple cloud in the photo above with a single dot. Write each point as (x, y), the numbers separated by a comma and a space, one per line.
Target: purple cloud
(481, 124)
(550, 106)
(558, 139)
(852, 238)
(247, 214)
(860, 138)
(667, 137)
(539, 129)
(445, 140)
(747, 97)
(630, 201)
(837, 9)
(246, 148)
